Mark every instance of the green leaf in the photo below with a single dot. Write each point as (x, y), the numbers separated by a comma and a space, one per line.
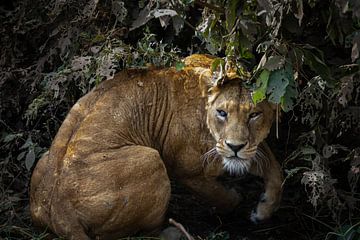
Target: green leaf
(262, 82)
(216, 63)
(282, 88)
(289, 99)
(30, 159)
(278, 81)
(232, 45)
(231, 11)
(20, 156)
(316, 62)
(291, 93)
(10, 137)
(179, 66)
(245, 47)
(27, 144)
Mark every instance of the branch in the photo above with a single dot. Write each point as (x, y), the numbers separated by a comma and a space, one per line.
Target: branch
(181, 228)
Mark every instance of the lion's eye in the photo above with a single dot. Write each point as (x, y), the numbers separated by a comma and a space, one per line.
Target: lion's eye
(255, 115)
(221, 113)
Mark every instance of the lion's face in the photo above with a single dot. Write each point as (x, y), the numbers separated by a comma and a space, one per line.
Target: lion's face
(237, 125)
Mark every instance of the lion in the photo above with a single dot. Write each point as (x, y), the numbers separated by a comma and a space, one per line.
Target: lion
(107, 173)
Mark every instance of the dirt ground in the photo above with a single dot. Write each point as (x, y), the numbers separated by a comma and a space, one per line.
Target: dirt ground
(292, 220)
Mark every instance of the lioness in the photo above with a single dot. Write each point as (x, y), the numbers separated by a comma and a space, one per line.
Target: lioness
(107, 172)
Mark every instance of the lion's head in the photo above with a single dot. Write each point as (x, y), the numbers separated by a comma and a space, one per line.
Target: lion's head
(237, 124)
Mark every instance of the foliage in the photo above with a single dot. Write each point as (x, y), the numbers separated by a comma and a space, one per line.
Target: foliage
(303, 55)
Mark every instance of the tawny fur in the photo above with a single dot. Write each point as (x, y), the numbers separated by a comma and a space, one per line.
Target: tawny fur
(107, 172)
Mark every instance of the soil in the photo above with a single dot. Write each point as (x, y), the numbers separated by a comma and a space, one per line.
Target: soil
(289, 222)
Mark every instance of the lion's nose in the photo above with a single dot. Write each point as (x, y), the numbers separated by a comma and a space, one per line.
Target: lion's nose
(234, 147)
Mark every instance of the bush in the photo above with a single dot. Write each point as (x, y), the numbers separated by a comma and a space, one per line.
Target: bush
(302, 56)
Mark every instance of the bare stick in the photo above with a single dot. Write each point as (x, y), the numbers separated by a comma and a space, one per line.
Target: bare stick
(181, 228)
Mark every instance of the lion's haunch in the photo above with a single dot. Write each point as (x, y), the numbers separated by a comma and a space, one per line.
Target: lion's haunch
(107, 172)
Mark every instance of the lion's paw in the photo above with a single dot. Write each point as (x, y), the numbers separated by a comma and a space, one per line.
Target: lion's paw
(263, 210)
(255, 218)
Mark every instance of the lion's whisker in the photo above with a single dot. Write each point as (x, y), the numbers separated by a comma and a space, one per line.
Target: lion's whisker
(261, 160)
(209, 156)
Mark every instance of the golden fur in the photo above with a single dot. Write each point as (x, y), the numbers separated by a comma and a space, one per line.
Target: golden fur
(107, 172)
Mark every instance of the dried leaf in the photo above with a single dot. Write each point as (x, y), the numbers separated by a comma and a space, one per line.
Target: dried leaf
(265, 4)
(119, 10)
(80, 63)
(178, 24)
(355, 48)
(347, 87)
(106, 67)
(328, 151)
(311, 102)
(147, 14)
(143, 18)
(164, 12)
(89, 9)
(164, 21)
(274, 63)
(262, 62)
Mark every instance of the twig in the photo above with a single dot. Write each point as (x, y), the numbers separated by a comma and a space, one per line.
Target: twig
(181, 228)
(210, 6)
(321, 222)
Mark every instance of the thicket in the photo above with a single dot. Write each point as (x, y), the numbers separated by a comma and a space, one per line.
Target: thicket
(302, 55)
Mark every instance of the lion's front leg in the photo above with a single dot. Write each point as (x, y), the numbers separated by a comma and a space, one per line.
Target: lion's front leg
(213, 192)
(270, 170)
